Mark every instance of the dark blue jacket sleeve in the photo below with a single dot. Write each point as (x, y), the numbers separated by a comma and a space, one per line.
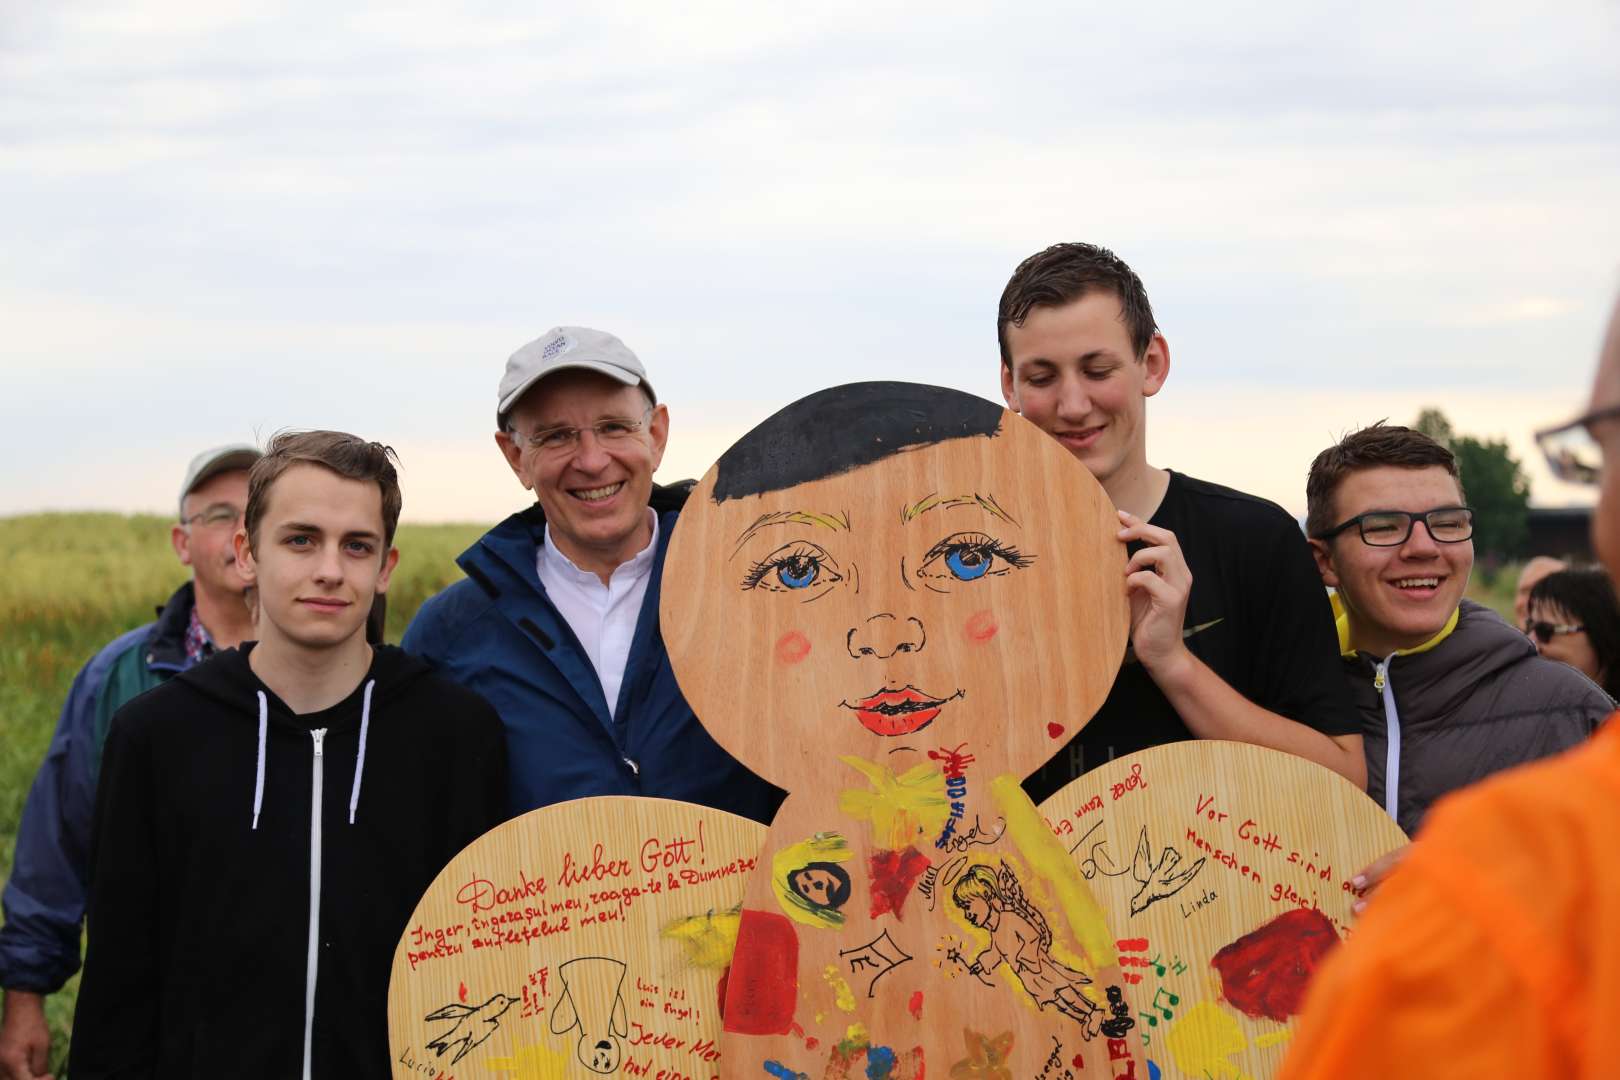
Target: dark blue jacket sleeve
(116, 1021)
(45, 897)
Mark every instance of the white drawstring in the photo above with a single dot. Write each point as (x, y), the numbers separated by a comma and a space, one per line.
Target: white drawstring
(258, 781)
(360, 758)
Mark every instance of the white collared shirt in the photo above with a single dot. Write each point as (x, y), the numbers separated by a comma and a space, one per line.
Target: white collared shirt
(603, 617)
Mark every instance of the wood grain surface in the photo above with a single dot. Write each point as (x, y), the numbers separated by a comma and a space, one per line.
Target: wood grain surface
(1225, 869)
(579, 940)
(895, 642)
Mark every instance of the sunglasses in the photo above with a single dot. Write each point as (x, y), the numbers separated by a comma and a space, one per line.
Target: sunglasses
(1544, 632)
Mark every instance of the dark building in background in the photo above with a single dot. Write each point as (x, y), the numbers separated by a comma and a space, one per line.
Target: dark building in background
(1564, 532)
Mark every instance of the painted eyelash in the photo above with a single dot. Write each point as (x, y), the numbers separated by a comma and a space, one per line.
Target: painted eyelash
(982, 542)
(757, 572)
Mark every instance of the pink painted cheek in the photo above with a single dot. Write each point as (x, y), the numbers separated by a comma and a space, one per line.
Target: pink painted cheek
(981, 626)
(792, 647)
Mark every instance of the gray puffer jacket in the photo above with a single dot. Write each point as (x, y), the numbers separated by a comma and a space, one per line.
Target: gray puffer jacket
(1480, 701)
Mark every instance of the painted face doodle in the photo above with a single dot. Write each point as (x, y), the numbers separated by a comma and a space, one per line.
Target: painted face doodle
(822, 885)
(810, 884)
(592, 1004)
(473, 1024)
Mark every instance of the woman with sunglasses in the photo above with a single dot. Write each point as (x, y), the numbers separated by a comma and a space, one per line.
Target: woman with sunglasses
(1575, 618)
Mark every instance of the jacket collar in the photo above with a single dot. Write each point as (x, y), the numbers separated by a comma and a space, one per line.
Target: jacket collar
(502, 564)
(1341, 620)
(166, 645)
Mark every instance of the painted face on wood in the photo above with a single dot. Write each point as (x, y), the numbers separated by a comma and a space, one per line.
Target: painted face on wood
(904, 601)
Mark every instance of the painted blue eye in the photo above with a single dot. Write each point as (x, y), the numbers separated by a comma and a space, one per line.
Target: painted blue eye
(967, 563)
(800, 567)
(797, 572)
(969, 556)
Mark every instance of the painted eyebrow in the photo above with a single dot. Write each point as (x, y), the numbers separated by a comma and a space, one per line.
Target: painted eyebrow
(838, 521)
(987, 503)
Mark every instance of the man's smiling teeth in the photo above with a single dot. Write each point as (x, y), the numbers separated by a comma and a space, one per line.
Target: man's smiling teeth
(597, 494)
(1418, 583)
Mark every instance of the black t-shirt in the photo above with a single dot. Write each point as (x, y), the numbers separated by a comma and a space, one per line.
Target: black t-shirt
(1258, 615)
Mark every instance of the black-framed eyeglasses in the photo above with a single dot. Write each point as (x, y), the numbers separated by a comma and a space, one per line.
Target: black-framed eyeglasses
(558, 440)
(1544, 632)
(1391, 528)
(1572, 450)
(217, 516)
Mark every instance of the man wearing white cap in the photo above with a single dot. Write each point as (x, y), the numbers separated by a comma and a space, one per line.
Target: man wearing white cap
(557, 623)
(45, 896)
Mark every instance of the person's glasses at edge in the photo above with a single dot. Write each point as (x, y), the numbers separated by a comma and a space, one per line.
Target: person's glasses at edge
(217, 516)
(1572, 451)
(1544, 632)
(608, 429)
(1391, 528)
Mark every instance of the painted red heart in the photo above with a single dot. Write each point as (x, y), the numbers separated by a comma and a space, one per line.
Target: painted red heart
(1054, 730)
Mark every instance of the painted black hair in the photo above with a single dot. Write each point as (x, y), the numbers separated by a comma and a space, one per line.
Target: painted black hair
(843, 428)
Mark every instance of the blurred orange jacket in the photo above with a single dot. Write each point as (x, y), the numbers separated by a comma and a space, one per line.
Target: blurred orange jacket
(1494, 948)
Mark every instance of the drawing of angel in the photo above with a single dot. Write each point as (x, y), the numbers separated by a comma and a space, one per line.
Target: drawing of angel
(1020, 937)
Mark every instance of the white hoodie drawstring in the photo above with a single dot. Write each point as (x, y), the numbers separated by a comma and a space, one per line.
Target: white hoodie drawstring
(360, 758)
(258, 781)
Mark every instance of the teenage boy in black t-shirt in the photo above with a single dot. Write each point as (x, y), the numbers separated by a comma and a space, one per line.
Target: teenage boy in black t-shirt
(1249, 654)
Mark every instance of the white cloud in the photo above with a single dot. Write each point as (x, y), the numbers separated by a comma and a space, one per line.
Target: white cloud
(236, 216)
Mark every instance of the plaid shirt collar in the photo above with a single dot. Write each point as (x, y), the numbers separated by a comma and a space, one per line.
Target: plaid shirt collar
(199, 646)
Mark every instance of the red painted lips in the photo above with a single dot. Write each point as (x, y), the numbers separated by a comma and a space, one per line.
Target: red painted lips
(898, 712)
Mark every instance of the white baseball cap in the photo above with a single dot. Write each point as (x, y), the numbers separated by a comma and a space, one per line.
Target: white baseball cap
(561, 348)
(211, 463)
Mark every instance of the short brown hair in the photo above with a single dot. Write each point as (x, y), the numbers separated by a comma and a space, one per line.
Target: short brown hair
(1062, 274)
(350, 456)
(1372, 447)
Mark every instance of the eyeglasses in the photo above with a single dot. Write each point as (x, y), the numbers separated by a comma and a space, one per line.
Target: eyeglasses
(1572, 450)
(1391, 528)
(217, 516)
(561, 440)
(1544, 632)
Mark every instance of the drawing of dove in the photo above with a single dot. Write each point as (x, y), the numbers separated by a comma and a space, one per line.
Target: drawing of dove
(1160, 879)
(473, 1024)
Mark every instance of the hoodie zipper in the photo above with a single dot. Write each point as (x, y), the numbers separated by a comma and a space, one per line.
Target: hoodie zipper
(312, 963)
(1392, 742)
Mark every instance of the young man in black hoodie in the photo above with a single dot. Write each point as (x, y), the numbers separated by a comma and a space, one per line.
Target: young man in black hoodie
(267, 821)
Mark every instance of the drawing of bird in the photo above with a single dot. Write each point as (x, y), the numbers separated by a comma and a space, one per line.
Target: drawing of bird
(1158, 879)
(473, 1024)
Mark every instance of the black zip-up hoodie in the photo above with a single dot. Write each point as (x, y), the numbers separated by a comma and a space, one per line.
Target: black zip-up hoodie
(219, 814)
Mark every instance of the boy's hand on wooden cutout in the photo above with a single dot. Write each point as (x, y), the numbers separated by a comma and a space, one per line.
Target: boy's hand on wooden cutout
(1158, 583)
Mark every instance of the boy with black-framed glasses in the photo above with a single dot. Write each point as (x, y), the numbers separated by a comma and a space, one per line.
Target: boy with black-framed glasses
(1449, 692)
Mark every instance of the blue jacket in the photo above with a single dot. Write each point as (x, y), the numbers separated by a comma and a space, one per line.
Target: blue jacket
(498, 633)
(50, 872)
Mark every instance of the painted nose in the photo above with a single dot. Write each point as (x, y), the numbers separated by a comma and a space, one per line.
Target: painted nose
(884, 635)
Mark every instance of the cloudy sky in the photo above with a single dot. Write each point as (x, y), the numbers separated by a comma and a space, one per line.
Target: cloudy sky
(226, 217)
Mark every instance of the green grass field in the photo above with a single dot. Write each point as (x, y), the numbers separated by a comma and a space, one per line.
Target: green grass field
(69, 583)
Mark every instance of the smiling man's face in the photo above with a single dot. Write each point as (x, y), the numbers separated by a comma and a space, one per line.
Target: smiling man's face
(594, 493)
(1396, 597)
(922, 601)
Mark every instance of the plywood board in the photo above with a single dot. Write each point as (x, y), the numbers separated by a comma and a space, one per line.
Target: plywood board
(893, 601)
(1225, 869)
(579, 940)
